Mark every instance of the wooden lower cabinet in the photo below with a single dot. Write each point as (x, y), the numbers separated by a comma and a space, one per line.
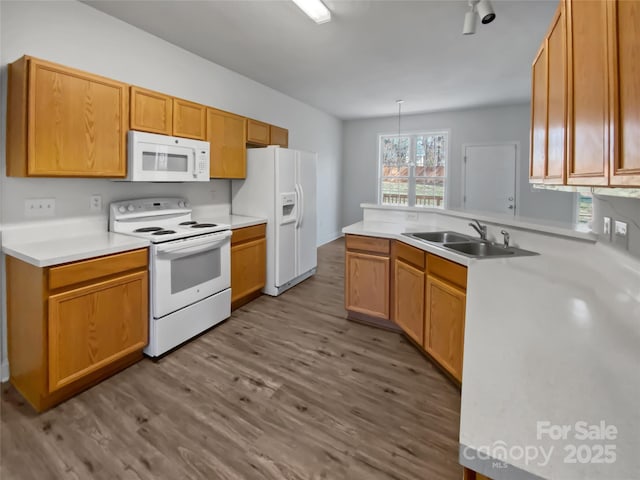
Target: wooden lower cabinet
(65, 335)
(248, 264)
(408, 291)
(471, 475)
(444, 325)
(367, 276)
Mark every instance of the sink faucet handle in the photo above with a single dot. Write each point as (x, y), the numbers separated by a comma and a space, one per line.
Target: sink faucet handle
(478, 227)
(506, 237)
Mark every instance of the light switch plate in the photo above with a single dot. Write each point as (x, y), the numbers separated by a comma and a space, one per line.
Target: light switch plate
(39, 207)
(411, 216)
(606, 228)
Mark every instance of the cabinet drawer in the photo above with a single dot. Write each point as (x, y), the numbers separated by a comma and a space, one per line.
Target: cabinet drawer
(85, 270)
(447, 270)
(248, 233)
(410, 254)
(368, 244)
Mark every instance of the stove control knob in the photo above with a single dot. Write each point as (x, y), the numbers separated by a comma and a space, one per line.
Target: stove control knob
(122, 209)
(181, 204)
(130, 208)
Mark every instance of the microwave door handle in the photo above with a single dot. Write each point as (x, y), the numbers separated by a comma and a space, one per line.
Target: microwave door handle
(195, 165)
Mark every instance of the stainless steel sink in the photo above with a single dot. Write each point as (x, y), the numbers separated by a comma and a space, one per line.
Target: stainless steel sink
(486, 249)
(440, 237)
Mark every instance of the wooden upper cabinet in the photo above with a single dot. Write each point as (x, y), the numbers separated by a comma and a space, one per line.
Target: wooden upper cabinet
(189, 119)
(588, 95)
(63, 122)
(538, 117)
(555, 163)
(278, 136)
(151, 111)
(624, 41)
(227, 134)
(258, 133)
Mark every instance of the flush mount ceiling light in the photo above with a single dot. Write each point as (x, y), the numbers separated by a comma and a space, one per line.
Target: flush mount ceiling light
(481, 8)
(315, 9)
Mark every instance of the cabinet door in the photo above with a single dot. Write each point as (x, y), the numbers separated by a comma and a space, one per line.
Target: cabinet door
(189, 119)
(555, 165)
(227, 134)
(77, 123)
(624, 30)
(257, 132)
(151, 111)
(588, 112)
(538, 154)
(93, 326)
(367, 284)
(409, 300)
(278, 136)
(248, 268)
(444, 325)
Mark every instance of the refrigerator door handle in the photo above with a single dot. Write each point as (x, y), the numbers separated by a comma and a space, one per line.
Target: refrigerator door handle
(301, 204)
(298, 199)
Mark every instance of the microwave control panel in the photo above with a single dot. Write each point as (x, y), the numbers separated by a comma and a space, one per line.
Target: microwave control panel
(203, 161)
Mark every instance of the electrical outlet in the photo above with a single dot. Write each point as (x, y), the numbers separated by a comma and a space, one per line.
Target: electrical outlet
(411, 216)
(621, 239)
(96, 203)
(606, 228)
(39, 207)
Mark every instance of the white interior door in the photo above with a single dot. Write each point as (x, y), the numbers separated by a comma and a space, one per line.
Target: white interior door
(490, 178)
(306, 228)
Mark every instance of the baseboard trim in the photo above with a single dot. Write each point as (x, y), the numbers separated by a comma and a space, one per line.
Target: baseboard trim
(4, 371)
(331, 238)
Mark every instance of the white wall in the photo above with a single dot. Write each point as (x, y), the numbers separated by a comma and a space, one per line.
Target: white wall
(623, 209)
(481, 125)
(76, 35)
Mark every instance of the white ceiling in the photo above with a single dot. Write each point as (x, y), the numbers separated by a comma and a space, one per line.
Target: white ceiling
(372, 53)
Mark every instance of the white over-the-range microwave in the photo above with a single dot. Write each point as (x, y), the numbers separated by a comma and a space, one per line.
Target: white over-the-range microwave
(162, 158)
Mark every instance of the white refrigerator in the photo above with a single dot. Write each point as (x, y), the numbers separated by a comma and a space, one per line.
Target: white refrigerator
(281, 187)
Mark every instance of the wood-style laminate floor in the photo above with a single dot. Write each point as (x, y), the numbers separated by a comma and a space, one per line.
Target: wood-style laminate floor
(285, 389)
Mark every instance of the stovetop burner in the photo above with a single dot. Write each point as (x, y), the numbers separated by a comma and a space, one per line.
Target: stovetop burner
(204, 225)
(188, 223)
(163, 232)
(148, 229)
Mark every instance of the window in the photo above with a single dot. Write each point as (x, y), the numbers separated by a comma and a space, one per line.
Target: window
(413, 169)
(584, 212)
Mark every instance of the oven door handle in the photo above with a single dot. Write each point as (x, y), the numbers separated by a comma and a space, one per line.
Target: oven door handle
(193, 247)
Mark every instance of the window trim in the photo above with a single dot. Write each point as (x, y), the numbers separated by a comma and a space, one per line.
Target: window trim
(412, 178)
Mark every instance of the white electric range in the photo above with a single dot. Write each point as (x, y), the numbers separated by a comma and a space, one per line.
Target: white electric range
(189, 265)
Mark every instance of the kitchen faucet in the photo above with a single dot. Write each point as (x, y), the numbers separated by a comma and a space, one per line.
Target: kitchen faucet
(481, 229)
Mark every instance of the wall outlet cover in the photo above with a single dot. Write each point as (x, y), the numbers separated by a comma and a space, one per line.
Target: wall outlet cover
(621, 228)
(95, 204)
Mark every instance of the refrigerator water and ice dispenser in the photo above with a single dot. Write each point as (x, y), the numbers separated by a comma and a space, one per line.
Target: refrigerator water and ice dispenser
(288, 203)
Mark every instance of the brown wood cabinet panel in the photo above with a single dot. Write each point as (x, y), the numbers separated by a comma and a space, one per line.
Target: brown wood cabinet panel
(444, 325)
(447, 270)
(93, 326)
(151, 111)
(411, 255)
(278, 136)
(74, 123)
(367, 284)
(258, 133)
(624, 41)
(77, 272)
(248, 233)
(409, 300)
(588, 108)
(368, 244)
(189, 119)
(248, 268)
(228, 137)
(538, 117)
(555, 162)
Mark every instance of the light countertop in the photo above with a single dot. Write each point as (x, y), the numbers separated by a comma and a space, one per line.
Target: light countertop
(45, 253)
(552, 337)
(236, 221)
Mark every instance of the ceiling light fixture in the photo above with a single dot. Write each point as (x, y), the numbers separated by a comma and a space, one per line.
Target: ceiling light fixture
(315, 9)
(481, 8)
